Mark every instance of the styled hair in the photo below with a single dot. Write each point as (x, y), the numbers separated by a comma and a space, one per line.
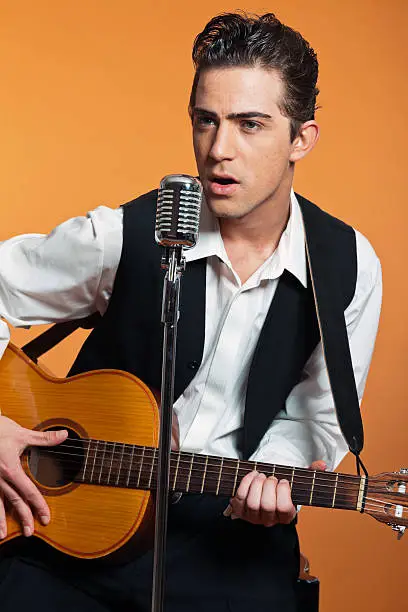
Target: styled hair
(239, 39)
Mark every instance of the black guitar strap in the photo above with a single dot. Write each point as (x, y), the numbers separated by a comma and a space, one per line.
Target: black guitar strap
(329, 303)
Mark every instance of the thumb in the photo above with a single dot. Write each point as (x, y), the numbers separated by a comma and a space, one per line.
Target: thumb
(318, 465)
(47, 438)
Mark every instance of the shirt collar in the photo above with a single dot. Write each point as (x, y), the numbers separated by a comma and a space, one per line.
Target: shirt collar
(293, 243)
(290, 253)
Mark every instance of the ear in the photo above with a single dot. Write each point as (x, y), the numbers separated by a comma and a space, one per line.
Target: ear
(304, 142)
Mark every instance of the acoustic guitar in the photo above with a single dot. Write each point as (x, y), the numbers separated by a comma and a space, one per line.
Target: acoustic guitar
(99, 482)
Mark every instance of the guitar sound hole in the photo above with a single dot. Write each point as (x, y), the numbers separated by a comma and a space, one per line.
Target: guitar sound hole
(57, 466)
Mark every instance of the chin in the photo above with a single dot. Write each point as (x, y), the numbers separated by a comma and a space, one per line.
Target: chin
(223, 208)
(226, 208)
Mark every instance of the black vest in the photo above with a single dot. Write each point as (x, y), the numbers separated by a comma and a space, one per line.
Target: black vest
(130, 334)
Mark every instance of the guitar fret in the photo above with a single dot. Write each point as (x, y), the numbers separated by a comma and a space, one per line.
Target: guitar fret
(140, 468)
(273, 470)
(291, 480)
(335, 489)
(94, 459)
(151, 471)
(102, 463)
(130, 466)
(235, 479)
(86, 458)
(204, 474)
(176, 472)
(189, 473)
(111, 462)
(120, 464)
(313, 484)
(219, 476)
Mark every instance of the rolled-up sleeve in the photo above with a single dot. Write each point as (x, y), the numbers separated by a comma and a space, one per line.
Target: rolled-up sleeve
(66, 274)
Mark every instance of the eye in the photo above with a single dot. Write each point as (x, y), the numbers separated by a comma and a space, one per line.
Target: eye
(201, 121)
(251, 126)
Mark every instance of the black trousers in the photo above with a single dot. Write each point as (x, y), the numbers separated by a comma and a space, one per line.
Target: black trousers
(213, 564)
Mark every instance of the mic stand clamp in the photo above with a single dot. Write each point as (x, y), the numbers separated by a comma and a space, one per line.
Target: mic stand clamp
(174, 262)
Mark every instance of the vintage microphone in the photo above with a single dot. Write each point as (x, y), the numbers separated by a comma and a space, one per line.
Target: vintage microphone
(177, 224)
(178, 211)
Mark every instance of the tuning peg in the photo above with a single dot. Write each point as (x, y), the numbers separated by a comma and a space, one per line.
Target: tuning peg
(399, 529)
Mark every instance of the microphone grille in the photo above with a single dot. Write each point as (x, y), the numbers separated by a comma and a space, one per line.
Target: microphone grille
(178, 211)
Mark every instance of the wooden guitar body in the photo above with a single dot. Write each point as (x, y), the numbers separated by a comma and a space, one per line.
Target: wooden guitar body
(98, 482)
(107, 400)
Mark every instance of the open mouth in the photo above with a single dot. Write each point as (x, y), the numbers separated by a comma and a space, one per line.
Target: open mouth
(223, 181)
(224, 186)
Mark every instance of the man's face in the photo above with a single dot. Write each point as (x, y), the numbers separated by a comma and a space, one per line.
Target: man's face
(241, 139)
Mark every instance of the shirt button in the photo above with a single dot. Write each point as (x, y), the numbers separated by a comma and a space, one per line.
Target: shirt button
(193, 365)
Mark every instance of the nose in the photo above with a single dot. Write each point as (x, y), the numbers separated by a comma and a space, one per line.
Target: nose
(223, 146)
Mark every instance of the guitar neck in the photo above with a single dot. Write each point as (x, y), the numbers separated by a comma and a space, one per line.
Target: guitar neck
(129, 466)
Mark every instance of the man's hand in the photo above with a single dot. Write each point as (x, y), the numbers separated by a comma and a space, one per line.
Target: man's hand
(16, 489)
(265, 501)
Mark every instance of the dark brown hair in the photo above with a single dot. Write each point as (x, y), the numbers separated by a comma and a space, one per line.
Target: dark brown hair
(238, 39)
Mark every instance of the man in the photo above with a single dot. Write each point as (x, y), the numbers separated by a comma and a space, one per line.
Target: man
(247, 385)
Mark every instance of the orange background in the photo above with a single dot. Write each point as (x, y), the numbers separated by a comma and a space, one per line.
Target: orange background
(93, 99)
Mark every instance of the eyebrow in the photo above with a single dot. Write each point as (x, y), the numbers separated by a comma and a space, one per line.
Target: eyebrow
(246, 115)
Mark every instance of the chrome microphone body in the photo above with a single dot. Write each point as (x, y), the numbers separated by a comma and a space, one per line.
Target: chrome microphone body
(178, 211)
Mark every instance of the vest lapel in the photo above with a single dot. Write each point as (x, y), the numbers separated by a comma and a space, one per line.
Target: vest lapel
(288, 336)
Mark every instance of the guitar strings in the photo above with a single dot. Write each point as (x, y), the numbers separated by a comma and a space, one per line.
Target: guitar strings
(317, 487)
(211, 476)
(196, 463)
(195, 456)
(127, 466)
(194, 459)
(243, 463)
(372, 504)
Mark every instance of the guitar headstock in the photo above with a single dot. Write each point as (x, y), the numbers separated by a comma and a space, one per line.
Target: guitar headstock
(387, 499)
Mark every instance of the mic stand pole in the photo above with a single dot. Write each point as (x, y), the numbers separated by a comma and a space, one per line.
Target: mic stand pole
(174, 262)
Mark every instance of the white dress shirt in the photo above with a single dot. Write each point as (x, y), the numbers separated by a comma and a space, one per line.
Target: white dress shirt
(70, 273)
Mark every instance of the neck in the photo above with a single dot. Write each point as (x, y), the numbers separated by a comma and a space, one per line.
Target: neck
(258, 231)
(125, 465)
(250, 240)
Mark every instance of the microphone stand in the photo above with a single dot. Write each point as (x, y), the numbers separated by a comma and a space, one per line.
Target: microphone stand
(174, 262)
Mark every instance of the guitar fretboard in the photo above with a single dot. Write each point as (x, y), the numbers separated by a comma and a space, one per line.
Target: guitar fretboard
(123, 465)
